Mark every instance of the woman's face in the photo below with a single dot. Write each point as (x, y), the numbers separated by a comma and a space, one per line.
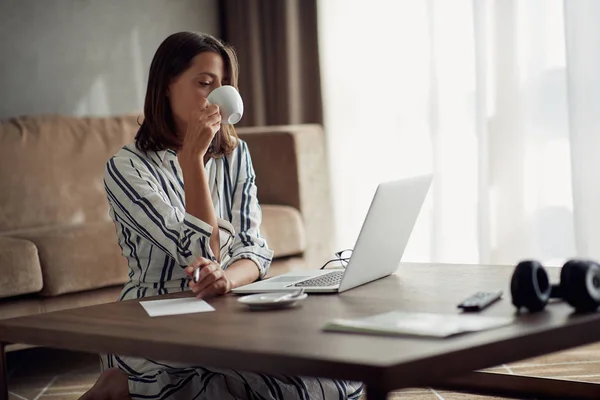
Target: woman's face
(205, 74)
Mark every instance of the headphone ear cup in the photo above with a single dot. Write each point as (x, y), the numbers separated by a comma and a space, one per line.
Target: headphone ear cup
(580, 284)
(530, 286)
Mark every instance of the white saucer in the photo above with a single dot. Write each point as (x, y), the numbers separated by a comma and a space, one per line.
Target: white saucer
(264, 301)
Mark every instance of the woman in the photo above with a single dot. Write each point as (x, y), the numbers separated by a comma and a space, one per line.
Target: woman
(166, 232)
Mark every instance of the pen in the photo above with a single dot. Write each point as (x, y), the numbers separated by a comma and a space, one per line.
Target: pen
(196, 275)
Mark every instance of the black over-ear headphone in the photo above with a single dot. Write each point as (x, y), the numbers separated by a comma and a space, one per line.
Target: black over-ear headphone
(579, 285)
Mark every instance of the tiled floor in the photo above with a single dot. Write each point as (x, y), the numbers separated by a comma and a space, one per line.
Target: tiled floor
(45, 374)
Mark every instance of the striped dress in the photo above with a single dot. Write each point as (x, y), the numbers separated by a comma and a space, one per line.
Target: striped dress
(146, 200)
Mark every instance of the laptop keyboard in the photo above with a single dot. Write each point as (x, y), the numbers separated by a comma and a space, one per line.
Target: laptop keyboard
(331, 279)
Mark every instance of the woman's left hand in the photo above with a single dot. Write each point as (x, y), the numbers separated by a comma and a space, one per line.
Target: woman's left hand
(212, 279)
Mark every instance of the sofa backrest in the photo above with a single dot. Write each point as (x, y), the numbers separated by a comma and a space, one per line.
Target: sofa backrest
(52, 169)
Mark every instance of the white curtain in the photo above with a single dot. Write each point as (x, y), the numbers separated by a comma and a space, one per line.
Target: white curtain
(499, 99)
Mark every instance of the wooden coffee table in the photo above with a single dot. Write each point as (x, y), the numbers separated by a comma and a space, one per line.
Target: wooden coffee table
(291, 341)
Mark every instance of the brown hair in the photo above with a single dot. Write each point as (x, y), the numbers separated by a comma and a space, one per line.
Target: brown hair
(173, 56)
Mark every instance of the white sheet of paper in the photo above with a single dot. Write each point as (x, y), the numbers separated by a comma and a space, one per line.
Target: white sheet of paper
(188, 305)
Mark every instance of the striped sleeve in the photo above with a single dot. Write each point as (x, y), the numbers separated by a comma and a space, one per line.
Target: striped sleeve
(136, 200)
(246, 215)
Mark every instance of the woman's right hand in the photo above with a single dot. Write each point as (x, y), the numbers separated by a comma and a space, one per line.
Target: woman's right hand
(211, 279)
(203, 124)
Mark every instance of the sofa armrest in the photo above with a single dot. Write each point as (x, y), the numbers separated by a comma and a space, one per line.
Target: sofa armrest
(292, 169)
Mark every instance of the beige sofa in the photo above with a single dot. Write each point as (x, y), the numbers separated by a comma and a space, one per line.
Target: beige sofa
(58, 246)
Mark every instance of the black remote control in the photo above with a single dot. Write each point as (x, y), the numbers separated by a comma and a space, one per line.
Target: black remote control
(480, 300)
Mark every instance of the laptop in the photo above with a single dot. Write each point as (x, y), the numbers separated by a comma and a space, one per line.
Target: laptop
(378, 250)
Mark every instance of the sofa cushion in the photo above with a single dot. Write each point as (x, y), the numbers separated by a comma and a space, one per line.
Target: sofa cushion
(81, 299)
(32, 304)
(19, 306)
(283, 229)
(288, 264)
(20, 271)
(79, 258)
(53, 167)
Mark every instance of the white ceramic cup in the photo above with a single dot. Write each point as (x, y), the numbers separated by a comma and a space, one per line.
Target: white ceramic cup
(230, 104)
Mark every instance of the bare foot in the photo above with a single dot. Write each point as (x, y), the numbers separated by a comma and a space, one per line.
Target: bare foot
(111, 385)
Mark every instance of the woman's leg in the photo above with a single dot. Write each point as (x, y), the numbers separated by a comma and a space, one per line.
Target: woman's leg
(183, 381)
(111, 385)
(246, 385)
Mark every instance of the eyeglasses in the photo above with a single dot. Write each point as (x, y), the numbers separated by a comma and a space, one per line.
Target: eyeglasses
(341, 256)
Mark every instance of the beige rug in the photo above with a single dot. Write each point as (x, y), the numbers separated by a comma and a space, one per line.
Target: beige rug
(45, 374)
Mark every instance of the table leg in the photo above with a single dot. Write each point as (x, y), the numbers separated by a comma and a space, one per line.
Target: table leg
(3, 373)
(374, 393)
(521, 386)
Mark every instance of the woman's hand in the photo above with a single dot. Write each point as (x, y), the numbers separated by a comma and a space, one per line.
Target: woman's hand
(203, 124)
(212, 280)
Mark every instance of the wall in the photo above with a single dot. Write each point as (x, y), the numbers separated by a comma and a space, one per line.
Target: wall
(85, 57)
